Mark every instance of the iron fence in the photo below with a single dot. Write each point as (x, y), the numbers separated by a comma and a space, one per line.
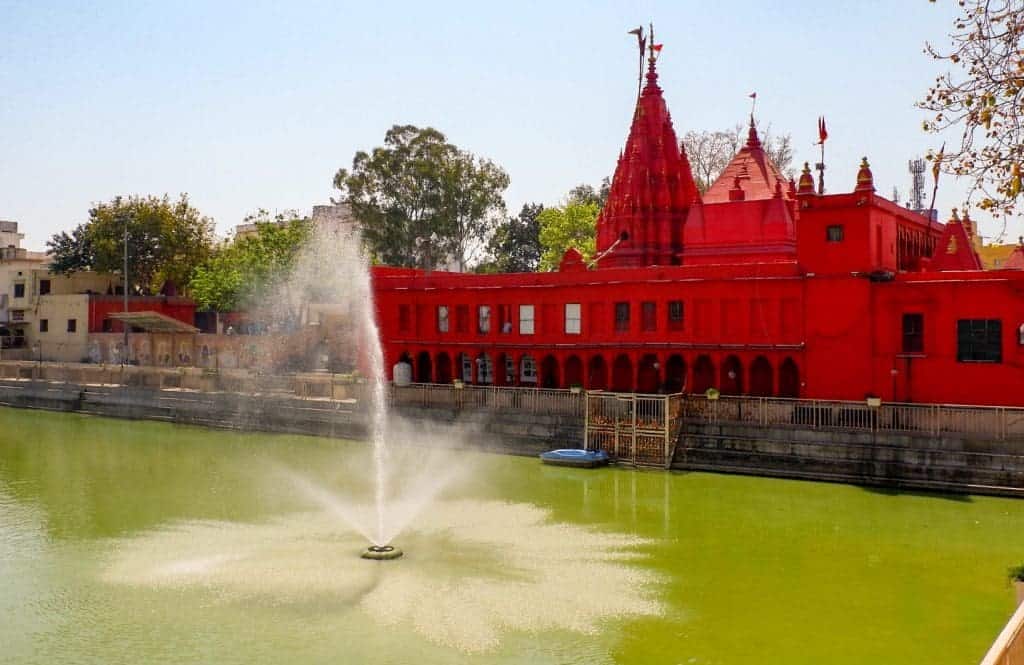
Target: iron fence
(985, 422)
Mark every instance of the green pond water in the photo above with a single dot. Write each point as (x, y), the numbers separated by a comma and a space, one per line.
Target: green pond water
(142, 542)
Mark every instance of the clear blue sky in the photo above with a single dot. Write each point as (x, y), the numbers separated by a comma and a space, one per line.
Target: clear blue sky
(256, 104)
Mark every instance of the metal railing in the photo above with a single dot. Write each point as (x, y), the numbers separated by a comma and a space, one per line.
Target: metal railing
(986, 422)
(640, 429)
(547, 401)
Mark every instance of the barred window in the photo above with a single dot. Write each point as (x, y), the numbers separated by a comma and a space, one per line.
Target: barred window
(622, 317)
(675, 315)
(913, 333)
(979, 340)
(442, 318)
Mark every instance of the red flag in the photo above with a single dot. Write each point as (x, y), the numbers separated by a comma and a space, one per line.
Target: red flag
(822, 132)
(752, 95)
(656, 48)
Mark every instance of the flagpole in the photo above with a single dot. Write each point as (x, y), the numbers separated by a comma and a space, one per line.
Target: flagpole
(935, 174)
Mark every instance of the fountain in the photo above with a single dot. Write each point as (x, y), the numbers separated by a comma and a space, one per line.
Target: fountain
(333, 268)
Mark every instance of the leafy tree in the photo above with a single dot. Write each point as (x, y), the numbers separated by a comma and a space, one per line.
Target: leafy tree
(710, 152)
(587, 194)
(166, 241)
(421, 200)
(237, 273)
(984, 98)
(570, 225)
(472, 204)
(515, 245)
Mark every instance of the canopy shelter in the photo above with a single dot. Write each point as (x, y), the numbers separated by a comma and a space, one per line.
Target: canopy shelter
(153, 322)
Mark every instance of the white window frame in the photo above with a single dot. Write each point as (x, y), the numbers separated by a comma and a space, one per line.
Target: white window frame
(483, 316)
(528, 370)
(573, 318)
(526, 319)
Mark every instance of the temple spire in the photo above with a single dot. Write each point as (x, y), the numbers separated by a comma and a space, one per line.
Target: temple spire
(652, 188)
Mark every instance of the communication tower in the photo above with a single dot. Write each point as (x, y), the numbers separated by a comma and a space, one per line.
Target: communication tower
(916, 168)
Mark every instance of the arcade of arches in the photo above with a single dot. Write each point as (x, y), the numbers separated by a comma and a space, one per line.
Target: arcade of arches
(762, 375)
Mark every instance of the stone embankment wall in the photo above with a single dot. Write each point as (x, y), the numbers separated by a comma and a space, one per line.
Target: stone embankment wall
(508, 432)
(871, 458)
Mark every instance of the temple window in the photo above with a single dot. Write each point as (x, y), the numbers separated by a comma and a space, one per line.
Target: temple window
(528, 369)
(526, 319)
(622, 317)
(572, 319)
(979, 340)
(505, 319)
(442, 318)
(404, 319)
(462, 318)
(649, 316)
(675, 314)
(483, 319)
(834, 233)
(913, 333)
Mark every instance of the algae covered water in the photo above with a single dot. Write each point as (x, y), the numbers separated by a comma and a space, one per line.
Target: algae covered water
(128, 542)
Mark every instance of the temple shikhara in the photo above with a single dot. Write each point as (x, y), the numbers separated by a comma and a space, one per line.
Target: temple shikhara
(760, 286)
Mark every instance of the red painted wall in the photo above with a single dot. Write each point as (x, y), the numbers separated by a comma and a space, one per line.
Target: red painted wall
(102, 306)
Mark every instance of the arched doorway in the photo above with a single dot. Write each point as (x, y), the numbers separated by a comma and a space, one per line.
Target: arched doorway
(549, 372)
(464, 367)
(484, 370)
(504, 371)
(573, 371)
(703, 374)
(424, 372)
(789, 379)
(597, 374)
(761, 377)
(647, 379)
(622, 374)
(444, 368)
(675, 374)
(732, 376)
(528, 371)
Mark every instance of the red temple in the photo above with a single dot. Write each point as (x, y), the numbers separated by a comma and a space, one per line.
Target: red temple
(762, 286)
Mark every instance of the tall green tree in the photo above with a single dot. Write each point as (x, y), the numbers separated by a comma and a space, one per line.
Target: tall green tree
(981, 96)
(237, 274)
(420, 200)
(515, 245)
(570, 225)
(166, 241)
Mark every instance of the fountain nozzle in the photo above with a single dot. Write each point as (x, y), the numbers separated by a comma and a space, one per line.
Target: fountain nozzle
(381, 553)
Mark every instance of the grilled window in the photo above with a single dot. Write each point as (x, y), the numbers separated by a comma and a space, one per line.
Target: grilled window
(483, 319)
(979, 340)
(442, 318)
(622, 317)
(675, 315)
(834, 233)
(462, 318)
(913, 333)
